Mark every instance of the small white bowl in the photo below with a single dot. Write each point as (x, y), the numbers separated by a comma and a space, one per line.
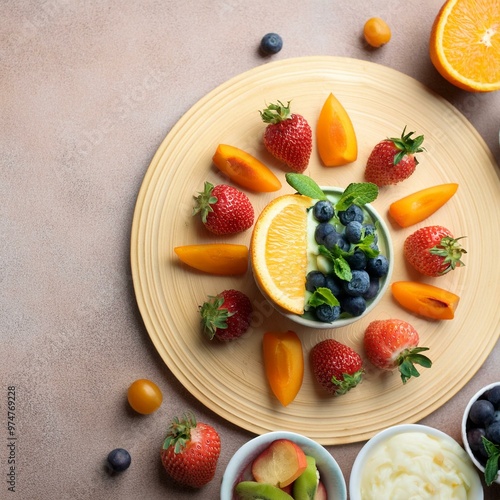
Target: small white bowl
(465, 427)
(330, 472)
(475, 492)
(386, 248)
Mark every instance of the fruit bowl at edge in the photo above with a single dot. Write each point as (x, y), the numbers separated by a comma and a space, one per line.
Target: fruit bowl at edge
(385, 243)
(330, 472)
(464, 427)
(476, 490)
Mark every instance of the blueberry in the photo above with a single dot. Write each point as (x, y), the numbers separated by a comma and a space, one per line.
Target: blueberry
(372, 289)
(378, 266)
(371, 230)
(481, 412)
(315, 279)
(119, 460)
(353, 305)
(352, 213)
(474, 438)
(493, 432)
(334, 285)
(359, 284)
(493, 396)
(323, 211)
(336, 239)
(496, 417)
(327, 313)
(353, 231)
(322, 231)
(271, 43)
(357, 260)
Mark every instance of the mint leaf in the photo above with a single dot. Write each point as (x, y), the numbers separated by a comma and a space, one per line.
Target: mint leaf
(305, 185)
(321, 296)
(357, 193)
(365, 246)
(341, 267)
(491, 468)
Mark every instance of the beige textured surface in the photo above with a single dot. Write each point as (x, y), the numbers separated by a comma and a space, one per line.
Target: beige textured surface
(88, 92)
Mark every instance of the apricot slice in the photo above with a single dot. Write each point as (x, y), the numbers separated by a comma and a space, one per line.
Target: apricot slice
(335, 135)
(284, 364)
(215, 258)
(418, 206)
(424, 299)
(280, 464)
(245, 170)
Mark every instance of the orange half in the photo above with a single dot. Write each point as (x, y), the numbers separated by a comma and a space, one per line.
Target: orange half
(278, 251)
(465, 44)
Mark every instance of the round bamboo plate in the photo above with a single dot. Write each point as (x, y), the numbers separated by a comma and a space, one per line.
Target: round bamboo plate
(229, 378)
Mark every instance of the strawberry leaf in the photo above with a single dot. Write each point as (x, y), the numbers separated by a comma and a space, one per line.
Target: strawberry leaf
(408, 359)
(357, 193)
(305, 185)
(491, 468)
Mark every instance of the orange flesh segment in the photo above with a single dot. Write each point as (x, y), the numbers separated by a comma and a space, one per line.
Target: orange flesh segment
(279, 251)
(244, 169)
(424, 299)
(418, 206)
(215, 258)
(336, 138)
(465, 44)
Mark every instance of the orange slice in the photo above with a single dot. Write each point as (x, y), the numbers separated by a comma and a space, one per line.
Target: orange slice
(278, 250)
(465, 44)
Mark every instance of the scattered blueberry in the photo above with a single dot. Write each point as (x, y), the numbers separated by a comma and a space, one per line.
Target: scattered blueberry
(353, 305)
(271, 43)
(315, 279)
(378, 266)
(323, 211)
(326, 313)
(119, 460)
(322, 231)
(352, 213)
(353, 231)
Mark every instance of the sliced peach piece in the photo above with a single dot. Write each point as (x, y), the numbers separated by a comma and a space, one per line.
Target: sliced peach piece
(215, 258)
(335, 135)
(280, 464)
(284, 364)
(424, 299)
(245, 170)
(418, 206)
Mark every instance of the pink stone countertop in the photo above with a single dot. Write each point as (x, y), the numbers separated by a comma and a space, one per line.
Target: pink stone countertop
(88, 91)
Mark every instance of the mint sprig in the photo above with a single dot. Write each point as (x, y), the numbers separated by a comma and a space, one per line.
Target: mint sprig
(305, 185)
(357, 193)
(491, 467)
(323, 295)
(341, 267)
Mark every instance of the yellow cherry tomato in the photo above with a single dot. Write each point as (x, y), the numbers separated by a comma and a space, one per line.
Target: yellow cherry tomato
(144, 396)
(376, 32)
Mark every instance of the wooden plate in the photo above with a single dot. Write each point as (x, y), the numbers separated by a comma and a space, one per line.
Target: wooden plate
(229, 378)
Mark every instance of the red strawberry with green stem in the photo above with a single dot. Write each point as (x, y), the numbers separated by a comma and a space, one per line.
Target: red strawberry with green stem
(393, 160)
(224, 209)
(433, 251)
(227, 315)
(336, 367)
(393, 343)
(288, 136)
(190, 451)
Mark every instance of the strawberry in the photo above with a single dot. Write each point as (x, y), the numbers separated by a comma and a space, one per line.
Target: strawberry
(288, 137)
(227, 315)
(224, 209)
(393, 343)
(336, 367)
(190, 451)
(392, 160)
(433, 251)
